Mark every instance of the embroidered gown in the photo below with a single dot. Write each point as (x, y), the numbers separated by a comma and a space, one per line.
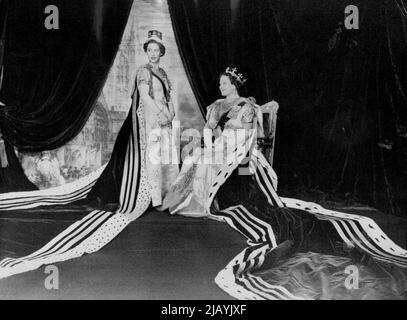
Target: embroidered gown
(152, 143)
(190, 190)
(161, 153)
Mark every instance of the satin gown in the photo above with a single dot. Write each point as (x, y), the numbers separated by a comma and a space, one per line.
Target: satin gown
(161, 152)
(190, 191)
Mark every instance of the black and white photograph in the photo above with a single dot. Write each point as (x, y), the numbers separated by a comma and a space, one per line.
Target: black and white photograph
(203, 150)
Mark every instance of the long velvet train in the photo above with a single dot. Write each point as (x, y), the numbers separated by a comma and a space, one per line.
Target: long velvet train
(126, 172)
(258, 213)
(255, 210)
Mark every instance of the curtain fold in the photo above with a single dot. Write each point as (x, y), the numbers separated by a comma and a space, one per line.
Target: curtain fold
(201, 30)
(52, 78)
(12, 177)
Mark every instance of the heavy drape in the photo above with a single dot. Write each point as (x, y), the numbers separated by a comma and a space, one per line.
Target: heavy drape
(52, 78)
(342, 121)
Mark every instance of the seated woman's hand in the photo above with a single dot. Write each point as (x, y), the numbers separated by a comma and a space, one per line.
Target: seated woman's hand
(234, 123)
(170, 114)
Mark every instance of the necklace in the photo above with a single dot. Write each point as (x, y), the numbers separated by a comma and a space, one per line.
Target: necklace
(232, 101)
(226, 106)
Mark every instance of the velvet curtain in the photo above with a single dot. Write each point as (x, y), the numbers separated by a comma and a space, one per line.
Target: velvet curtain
(53, 77)
(342, 93)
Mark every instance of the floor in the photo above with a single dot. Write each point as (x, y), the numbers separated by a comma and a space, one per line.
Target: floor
(159, 256)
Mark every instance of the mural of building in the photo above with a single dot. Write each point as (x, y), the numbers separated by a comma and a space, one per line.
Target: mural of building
(83, 154)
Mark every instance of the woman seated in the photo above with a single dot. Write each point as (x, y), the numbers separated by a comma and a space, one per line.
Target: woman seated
(234, 120)
(230, 180)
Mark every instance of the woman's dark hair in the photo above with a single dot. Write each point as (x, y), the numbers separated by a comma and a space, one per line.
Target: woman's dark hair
(239, 86)
(162, 48)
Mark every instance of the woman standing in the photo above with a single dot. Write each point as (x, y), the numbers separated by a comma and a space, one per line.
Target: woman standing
(154, 88)
(144, 171)
(137, 174)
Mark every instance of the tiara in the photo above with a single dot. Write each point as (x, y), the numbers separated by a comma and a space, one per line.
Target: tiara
(235, 75)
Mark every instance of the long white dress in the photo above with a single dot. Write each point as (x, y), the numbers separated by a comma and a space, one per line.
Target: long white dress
(161, 152)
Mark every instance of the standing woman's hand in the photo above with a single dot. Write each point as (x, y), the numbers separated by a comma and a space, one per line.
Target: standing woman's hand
(172, 114)
(163, 118)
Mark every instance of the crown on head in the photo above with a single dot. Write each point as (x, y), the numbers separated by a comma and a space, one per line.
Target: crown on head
(238, 76)
(155, 33)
